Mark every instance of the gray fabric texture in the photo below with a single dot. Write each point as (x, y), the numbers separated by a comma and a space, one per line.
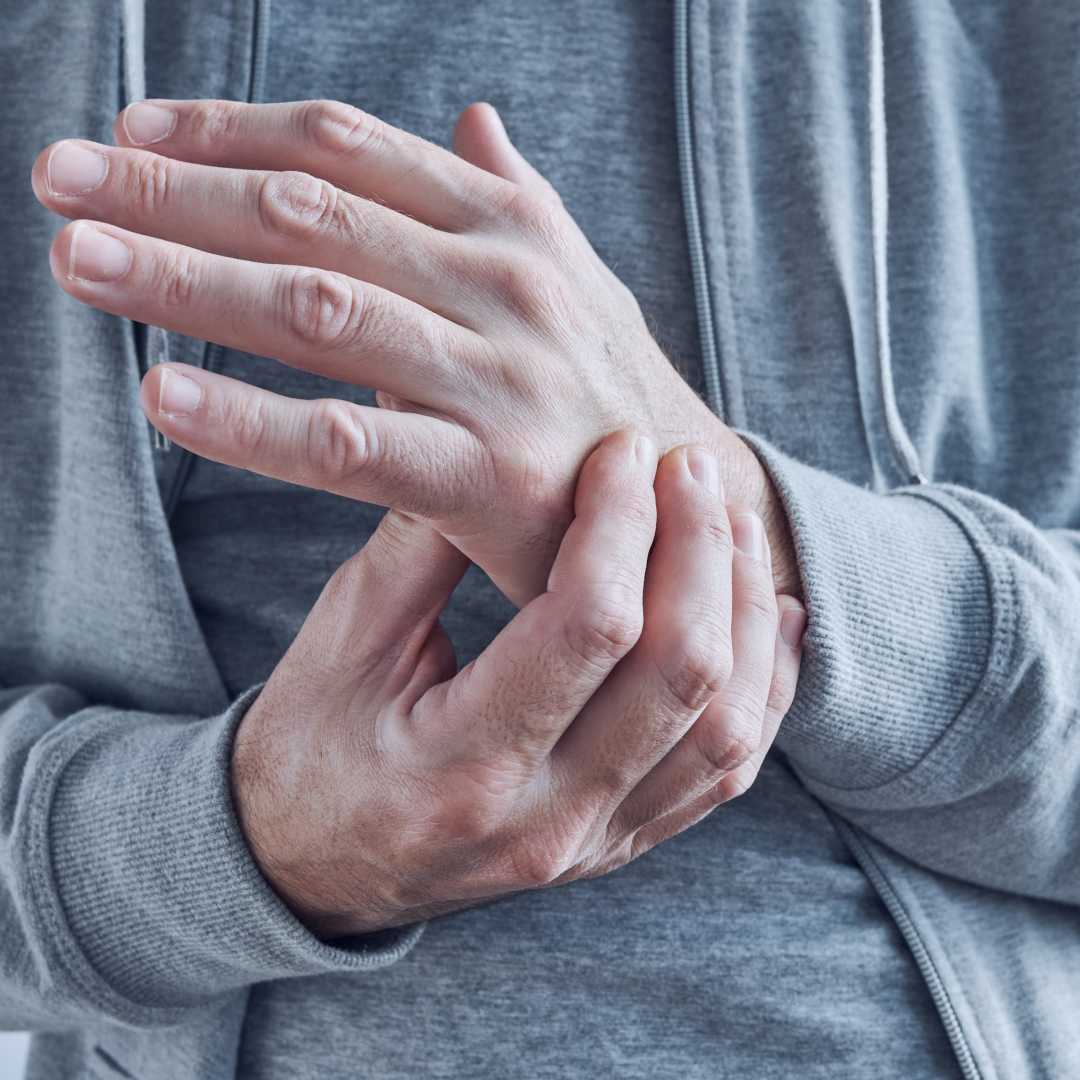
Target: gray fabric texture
(935, 717)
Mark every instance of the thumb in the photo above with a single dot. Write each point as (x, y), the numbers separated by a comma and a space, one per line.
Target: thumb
(481, 139)
(381, 605)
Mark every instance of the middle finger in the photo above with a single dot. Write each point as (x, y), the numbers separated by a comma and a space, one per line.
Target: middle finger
(266, 216)
(318, 320)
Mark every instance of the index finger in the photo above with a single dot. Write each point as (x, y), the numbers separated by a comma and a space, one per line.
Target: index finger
(518, 697)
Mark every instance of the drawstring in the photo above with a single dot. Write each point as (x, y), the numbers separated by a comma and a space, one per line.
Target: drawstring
(900, 442)
(134, 53)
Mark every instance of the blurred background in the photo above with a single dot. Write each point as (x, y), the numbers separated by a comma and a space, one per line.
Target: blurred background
(12, 1055)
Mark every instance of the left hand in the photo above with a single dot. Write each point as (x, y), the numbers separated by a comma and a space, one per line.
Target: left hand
(456, 285)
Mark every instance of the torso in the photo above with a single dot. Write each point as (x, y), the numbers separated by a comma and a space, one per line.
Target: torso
(752, 945)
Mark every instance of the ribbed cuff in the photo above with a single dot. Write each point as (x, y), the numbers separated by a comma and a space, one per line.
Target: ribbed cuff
(906, 626)
(154, 898)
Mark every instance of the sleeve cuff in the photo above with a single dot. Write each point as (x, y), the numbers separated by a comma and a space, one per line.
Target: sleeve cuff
(155, 900)
(909, 623)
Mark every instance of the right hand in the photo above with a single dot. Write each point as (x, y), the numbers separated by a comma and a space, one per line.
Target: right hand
(377, 788)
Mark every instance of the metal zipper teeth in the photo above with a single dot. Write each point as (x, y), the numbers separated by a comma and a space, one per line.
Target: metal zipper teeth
(905, 924)
(698, 268)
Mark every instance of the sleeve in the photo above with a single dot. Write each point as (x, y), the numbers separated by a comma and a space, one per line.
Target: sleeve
(127, 891)
(937, 703)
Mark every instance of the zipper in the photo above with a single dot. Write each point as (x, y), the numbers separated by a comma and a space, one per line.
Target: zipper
(906, 925)
(710, 361)
(699, 270)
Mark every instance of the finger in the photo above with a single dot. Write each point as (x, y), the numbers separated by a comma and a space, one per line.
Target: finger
(317, 320)
(416, 463)
(732, 732)
(354, 150)
(786, 666)
(267, 216)
(733, 784)
(481, 138)
(376, 616)
(684, 655)
(781, 693)
(518, 697)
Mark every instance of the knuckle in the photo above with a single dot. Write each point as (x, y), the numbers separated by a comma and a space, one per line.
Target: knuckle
(534, 212)
(151, 182)
(612, 776)
(536, 860)
(528, 288)
(321, 308)
(757, 598)
(342, 129)
(473, 822)
(338, 444)
(696, 673)
(246, 421)
(177, 279)
(212, 121)
(734, 785)
(295, 205)
(604, 632)
(533, 866)
(729, 738)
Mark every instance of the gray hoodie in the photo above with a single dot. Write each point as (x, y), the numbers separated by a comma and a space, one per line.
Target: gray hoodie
(891, 198)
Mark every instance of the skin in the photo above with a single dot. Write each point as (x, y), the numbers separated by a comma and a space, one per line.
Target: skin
(456, 285)
(376, 787)
(634, 691)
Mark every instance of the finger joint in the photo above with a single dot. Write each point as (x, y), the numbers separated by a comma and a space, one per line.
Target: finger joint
(729, 737)
(177, 279)
(342, 129)
(152, 180)
(696, 667)
(295, 205)
(321, 309)
(602, 632)
(211, 122)
(338, 442)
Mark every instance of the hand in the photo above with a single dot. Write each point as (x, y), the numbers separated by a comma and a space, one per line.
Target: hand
(633, 696)
(456, 285)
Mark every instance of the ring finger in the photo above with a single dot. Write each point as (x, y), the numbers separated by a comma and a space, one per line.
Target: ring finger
(737, 716)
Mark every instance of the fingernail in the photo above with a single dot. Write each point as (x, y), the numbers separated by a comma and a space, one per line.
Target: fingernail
(74, 169)
(704, 468)
(792, 626)
(96, 256)
(749, 535)
(645, 451)
(177, 394)
(145, 123)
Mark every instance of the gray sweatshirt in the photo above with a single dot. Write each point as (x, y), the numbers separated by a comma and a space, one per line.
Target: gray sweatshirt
(882, 254)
